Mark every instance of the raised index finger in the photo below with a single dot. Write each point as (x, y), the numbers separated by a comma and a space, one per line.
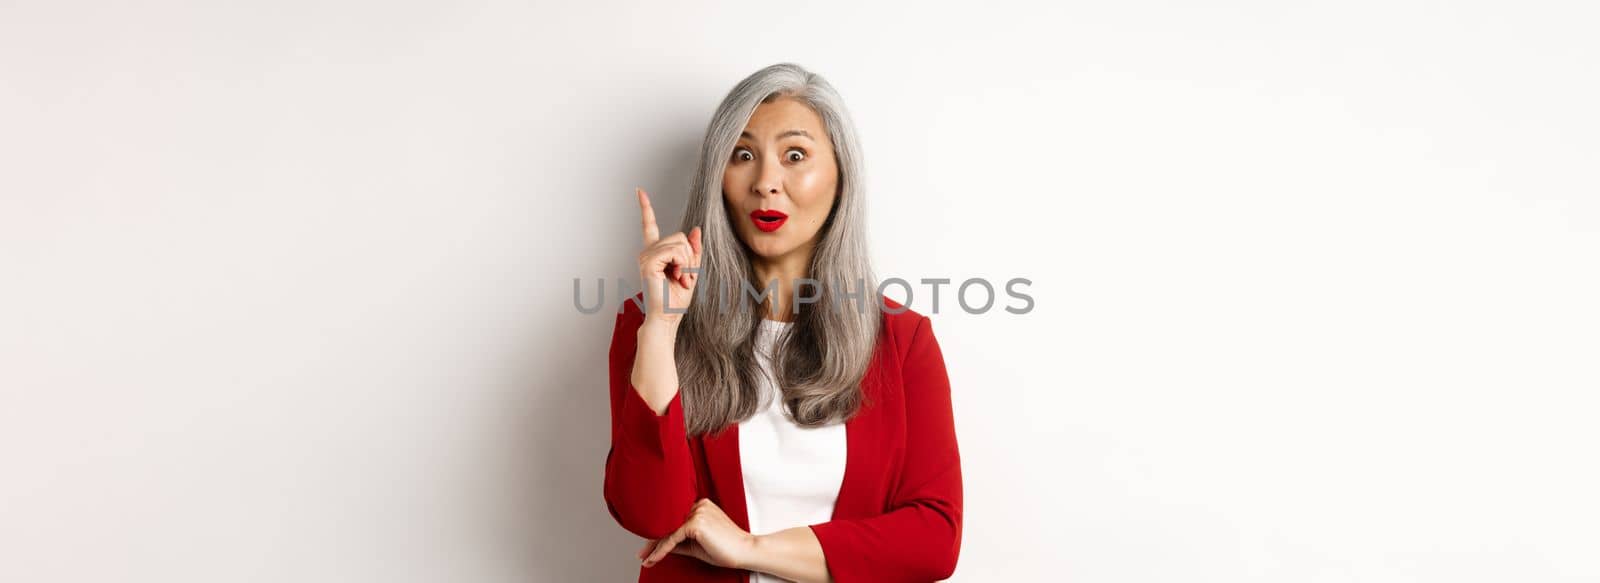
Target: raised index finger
(648, 217)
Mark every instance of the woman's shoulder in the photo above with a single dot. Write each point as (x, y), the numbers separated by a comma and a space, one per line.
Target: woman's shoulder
(901, 324)
(898, 314)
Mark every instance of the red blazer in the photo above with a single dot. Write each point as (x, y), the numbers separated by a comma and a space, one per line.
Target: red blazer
(898, 515)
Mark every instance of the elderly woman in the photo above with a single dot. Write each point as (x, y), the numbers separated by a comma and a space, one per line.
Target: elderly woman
(773, 417)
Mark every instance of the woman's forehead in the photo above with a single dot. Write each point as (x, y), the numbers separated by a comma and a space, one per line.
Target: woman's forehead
(781, 119)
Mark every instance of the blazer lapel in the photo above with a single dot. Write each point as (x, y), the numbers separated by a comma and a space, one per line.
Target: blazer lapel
(851, 494)
(862, 493)
(727, 477)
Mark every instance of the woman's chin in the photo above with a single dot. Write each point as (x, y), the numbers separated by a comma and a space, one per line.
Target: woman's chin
(768, 249)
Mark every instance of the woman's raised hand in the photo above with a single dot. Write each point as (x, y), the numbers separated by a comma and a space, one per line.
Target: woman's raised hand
(664, 262)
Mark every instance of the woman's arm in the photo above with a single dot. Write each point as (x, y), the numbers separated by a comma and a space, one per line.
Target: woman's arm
(792, 554)
(919, 538)
(650, 483)
(655, 369)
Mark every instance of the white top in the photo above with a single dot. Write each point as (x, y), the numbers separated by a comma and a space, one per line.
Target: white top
(792, 474)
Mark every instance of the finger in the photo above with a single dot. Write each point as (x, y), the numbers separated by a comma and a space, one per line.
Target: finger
(647, 217)
(692, 549)
(696, 259)
(686, 255)
(683, 270)
(696, 247)
(645, 552)
(665, 255)
(665, 546)
(677, 258)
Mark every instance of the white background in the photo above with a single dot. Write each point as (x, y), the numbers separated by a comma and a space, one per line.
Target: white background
(286, 287)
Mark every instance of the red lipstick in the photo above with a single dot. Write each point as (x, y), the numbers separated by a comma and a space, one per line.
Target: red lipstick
(768, 220)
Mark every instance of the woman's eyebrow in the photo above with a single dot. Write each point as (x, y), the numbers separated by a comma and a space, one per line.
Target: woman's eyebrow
(785, 134)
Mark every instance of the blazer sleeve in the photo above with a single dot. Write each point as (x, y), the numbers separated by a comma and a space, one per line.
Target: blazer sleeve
(919, 538)
(649, 477)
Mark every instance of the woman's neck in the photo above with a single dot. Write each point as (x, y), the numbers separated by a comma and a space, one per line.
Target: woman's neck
(784, 270)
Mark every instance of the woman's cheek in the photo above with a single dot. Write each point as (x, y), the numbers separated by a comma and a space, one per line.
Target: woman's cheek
(809, 188)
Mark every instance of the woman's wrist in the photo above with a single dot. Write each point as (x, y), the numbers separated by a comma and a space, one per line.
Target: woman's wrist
(752, 560)
(659, 327)
(792, 553)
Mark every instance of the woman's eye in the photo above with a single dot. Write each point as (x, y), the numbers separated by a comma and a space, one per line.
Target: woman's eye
(796, 155)
(742, 154)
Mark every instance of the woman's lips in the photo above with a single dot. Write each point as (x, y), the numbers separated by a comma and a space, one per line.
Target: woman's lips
(768, 220)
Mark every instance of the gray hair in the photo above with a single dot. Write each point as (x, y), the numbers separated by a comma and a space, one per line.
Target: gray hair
(822, 358)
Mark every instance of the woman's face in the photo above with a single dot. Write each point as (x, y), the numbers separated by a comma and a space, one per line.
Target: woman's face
(783, 163)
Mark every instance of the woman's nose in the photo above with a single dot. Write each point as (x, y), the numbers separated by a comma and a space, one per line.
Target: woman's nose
(770, 180)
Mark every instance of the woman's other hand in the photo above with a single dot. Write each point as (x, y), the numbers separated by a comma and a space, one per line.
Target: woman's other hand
(708, 535)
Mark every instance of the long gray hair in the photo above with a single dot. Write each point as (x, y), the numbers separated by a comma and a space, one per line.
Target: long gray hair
(820, 360)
